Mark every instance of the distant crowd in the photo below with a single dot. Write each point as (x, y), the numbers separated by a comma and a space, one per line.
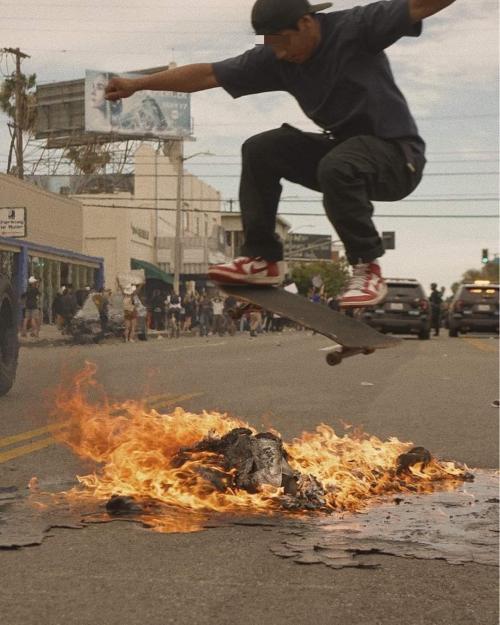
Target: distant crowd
(196, 314)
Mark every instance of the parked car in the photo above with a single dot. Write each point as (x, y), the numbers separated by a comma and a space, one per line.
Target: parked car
(9, 345)
(474, 308)
(404, 310)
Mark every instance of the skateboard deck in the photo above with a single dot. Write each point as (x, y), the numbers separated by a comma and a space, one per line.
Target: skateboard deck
(355, 337)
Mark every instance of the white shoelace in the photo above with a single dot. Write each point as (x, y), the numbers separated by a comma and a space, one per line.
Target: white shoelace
(358, 279)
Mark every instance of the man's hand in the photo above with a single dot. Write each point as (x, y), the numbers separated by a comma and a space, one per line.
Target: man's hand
(118, 88)
(420, 9)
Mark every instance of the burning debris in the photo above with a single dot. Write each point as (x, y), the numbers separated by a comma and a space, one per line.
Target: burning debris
(251, 462)
(213, 463)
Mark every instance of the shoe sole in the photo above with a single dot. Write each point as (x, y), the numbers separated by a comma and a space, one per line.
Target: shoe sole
(223, 278)
(364, 304)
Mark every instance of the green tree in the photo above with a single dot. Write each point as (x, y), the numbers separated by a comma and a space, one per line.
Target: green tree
(490, 272)
(333, 274)
(28, 108)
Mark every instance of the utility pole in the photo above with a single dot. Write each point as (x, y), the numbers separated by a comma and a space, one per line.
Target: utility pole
(178, 216)
(180, 159)
(19, 108)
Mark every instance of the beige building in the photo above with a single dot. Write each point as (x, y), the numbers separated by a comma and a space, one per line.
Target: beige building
(52, 219)
(140, 226)
(231, 222)
(53, 249)
(130, 219)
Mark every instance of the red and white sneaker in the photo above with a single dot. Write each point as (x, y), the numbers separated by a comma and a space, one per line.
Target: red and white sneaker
(366, 286)
(248, 270)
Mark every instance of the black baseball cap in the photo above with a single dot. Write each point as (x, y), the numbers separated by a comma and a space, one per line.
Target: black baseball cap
(271, 16)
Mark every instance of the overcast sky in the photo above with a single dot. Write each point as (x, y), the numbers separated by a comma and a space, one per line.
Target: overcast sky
(449, 76)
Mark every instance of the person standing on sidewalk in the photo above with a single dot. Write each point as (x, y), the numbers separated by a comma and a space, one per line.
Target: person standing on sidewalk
(335, 66)
(31, 300)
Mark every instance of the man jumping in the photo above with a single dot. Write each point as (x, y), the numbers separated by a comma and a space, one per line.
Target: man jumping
(335, 66)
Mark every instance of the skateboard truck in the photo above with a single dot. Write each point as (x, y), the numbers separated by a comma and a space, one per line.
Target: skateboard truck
(336, 356)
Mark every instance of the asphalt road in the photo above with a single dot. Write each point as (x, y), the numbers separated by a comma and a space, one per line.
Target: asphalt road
(435, 393)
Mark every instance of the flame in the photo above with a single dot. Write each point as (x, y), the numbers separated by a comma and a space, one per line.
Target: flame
(135, 448)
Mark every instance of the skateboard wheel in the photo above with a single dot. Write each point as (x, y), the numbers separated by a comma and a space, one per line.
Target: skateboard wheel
(334, 358)
(367, 351)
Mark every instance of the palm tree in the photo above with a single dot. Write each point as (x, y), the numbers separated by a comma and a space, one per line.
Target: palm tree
(28, 108)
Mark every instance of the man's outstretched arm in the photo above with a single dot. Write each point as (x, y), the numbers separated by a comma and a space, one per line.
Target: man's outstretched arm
(184, 79)
(420, 9)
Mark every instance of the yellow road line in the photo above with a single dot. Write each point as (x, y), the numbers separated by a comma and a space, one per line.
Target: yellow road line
(17, 438)
(156, 401)
(26, 449)
(484, 346)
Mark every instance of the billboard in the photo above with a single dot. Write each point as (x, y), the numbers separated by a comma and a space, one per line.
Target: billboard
(13, 222)
(160, 114)
(308, 246)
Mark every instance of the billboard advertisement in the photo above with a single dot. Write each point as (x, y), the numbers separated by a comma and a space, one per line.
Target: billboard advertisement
(160, 114)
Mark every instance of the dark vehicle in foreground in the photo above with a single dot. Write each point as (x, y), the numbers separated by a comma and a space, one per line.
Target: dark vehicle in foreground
(474, 308)
(404, 310)
(9, 345)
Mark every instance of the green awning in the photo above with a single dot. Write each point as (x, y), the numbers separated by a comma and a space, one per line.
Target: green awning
(151, 271)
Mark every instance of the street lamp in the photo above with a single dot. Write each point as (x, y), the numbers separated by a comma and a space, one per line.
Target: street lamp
(178, 212)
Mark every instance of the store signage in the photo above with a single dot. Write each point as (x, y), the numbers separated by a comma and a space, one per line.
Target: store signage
(140, 232)
(13, 222)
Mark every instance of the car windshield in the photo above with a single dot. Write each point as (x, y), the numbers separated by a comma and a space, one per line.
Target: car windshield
(404, 290)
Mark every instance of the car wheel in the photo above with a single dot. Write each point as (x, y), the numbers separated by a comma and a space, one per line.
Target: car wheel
(453, 332)
(9, 345)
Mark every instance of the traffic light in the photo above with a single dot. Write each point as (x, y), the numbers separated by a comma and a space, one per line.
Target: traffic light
(484, 257)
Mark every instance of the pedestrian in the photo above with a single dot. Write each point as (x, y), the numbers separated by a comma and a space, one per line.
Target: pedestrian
(205, 311)
(101, 300)
(173, 305)
(436, 301)
(255, 318)
(158, 310)
(69, 306)
(58, 308)
(218, 316)
(141, 317)
(31, 298)
(333, 303)
(129, 314)
(335, 66)
(189, 312)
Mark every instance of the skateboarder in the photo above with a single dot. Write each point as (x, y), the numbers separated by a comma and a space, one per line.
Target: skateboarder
(370, 149)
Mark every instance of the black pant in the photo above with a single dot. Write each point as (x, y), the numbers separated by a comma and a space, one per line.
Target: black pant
(350, 174)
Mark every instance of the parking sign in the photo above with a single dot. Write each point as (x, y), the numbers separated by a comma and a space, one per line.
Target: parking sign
(13, 222)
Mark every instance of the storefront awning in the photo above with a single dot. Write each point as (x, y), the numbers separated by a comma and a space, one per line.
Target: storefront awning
(152, 271)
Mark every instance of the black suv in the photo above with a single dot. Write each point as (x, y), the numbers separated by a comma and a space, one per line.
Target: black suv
(404, 310)
(474, 308)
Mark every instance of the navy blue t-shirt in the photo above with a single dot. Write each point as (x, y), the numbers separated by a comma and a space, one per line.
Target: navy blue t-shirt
(347, 86)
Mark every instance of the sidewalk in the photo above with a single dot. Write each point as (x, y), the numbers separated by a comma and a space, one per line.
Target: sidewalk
(50, 336)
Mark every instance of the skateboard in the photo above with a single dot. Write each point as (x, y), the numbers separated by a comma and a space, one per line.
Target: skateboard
(353, 336)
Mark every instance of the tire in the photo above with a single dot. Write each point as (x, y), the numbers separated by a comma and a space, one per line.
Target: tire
(9, 345)
(424, 335)
(452, 332)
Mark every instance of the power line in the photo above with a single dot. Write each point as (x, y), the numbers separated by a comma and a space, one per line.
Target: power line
(295, 214)
(299, 200)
